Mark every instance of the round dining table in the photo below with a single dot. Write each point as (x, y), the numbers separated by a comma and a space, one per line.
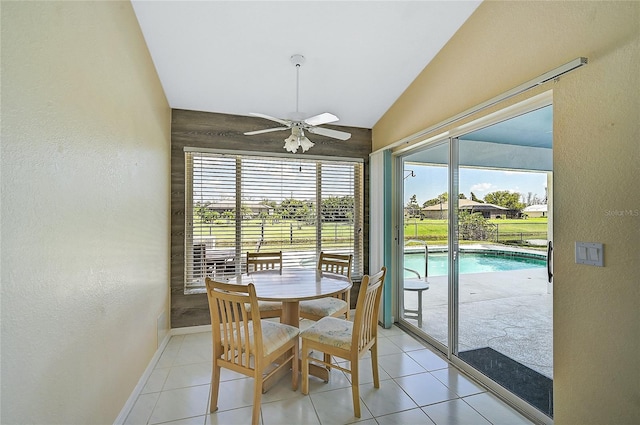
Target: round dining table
(292, 285)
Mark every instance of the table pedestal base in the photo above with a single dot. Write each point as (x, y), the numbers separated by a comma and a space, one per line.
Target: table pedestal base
(291, 316)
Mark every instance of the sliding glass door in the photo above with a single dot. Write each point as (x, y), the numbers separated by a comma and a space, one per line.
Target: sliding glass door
(475, 229)
(424, 285)
(504, 310)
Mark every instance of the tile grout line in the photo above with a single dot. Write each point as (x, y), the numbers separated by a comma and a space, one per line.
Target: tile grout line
(404, 351)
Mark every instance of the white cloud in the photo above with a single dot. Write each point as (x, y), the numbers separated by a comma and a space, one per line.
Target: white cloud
(482, 187)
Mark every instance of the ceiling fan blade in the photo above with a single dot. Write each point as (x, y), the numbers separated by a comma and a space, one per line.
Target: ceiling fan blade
(268, 117)
(341, 135)
(266, 130)
(320, 119)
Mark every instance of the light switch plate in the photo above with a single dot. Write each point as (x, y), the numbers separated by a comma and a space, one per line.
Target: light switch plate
(590, 253)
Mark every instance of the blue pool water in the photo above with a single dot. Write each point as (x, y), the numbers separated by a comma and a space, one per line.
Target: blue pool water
(469, 263)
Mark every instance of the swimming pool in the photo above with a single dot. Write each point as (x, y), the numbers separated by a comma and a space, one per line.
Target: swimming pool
(473, 262)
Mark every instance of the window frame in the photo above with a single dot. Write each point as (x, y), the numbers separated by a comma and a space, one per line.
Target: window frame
(357, 245)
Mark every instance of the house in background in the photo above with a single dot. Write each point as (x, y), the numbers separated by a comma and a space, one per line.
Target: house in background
(535, 211)
(490, 211)
(86, 195)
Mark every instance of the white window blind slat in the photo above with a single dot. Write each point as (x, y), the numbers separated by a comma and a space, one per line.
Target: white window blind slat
(240, 203)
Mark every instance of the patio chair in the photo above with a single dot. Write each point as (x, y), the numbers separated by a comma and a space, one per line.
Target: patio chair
(266, 262)
(249, 346)
(347, 340)
(330, 306)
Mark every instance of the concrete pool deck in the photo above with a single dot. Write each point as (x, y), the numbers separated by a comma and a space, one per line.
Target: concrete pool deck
(510, 312)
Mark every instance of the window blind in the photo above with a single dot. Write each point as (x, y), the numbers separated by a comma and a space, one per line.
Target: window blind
(241, 203)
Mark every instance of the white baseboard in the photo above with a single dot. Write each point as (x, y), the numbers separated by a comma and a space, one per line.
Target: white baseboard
(122, 417)
(191, 330)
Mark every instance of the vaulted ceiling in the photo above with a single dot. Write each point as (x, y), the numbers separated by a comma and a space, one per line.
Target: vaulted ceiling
(234, 56)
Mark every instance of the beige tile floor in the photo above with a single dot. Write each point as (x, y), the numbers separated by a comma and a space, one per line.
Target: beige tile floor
(417, 386)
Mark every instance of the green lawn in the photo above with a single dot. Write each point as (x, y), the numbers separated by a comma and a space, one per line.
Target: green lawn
(282, 234)
(297, 235)
(508, 230)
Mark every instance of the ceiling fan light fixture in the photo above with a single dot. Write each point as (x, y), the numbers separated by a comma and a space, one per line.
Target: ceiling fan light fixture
(305, 144)
(291, 144)
(296, 140)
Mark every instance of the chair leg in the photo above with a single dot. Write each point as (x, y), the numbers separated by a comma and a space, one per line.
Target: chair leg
(257, 395)
(215, 387)
(419, 309)
(305, 368)
(295, 366)
(355, 387)
(347, 298)
(374, 365)
(327, 360)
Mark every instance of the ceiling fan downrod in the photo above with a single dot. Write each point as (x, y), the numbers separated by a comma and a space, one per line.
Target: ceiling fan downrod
(298, 124)
(297, 60)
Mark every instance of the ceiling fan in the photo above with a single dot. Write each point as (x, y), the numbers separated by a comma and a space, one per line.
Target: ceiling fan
(298, 125)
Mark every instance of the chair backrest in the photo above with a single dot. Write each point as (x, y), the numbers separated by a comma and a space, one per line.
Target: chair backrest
(257, 261)
(231, 324)
(365, 324)
(336, 263)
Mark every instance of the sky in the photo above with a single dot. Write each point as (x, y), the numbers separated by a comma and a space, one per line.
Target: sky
(430, 181)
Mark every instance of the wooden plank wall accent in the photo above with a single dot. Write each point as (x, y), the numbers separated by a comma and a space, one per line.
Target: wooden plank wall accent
(223, 131)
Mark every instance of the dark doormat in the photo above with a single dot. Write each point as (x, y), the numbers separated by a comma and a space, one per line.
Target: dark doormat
(522, 381)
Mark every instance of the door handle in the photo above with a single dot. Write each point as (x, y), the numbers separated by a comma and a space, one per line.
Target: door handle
(549, 251)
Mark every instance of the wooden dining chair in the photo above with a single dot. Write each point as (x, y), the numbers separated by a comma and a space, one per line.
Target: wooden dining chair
(247, 345)
(337, 306)
(347, 340)
(259, 261)
(266, 262)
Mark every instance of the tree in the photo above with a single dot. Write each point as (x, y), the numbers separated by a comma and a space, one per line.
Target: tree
(461, 196)
(529, 200)
(413, 208)
(337, 209)
(473, 198)
(294, 209)
(473, 226)
(269, 203)
(533, 199)
(440, 199)
(206, 213)
(276, 217)
(504, 198)
(229, 215)
(246, 212)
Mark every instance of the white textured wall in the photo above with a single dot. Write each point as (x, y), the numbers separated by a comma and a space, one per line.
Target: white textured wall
(596, 161)
(85, 210)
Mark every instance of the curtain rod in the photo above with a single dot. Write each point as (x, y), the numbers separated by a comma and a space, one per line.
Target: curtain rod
(547, 76)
